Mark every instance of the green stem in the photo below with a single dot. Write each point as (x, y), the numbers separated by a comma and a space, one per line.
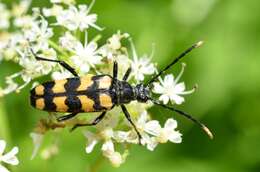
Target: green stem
(78, 34)
(97, 38)
(58, 48)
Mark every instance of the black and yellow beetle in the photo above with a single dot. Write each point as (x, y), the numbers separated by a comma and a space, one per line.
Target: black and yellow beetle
(98, 93)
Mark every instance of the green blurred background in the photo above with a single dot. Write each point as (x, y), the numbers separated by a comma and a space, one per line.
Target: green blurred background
(226, 68)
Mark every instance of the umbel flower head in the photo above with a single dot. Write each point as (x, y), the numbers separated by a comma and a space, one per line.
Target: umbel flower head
(87, 54)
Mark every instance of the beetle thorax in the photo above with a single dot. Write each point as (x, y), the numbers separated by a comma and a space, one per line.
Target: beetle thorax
(141, 93)
(125, 93)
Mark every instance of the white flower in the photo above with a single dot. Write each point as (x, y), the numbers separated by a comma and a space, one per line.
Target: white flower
(150, 142)
(123, 136)
(115, 42)
(63, 1)
(104, 132)
(86, 56)
(21, 8)
(141, 66)
(4, 40)
(4, 17)
(169, 133)
(115, 158)
(23, 21)
(37, 141)
(31, 69)
(124, 62)
(77, 18)
(55, 10)
(9, 158)
(39, 32)
(11, 85)
(15, 39)
(50, 151)
(152, 133)
(92, 141)
(34, 68)
(57, 75)
(170, 89)
(68, 41)
(8, 44)
(148, 129)
(113, 48)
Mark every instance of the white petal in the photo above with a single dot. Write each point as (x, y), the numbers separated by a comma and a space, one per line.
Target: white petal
(164, 98)
(3, 169)
(153, 127)
(168, 80)
(158, 88)
(151, 143)
(37, 141)
(83, 8)
(139, 76)
(148, 70)
(106, 133)
(170, 124)
(76, 60)
(92, 141)
(120, 136)
(90, 146)
(85, 68)
(94, 59)
(175, 137)
(10, 157)
(109, 122)
(114, 42)
(60, 75)
(179, 88)
(145, 138)
(143, 118)
(79, 48)
(108, 147)
(177, 99)
(92, 46)
(116, 159)
(2, 146)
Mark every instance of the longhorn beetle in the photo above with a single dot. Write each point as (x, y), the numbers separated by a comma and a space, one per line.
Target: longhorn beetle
(98, 93)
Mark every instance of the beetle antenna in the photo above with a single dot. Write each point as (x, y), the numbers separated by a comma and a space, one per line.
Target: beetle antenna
(196, 45)
(188, 116)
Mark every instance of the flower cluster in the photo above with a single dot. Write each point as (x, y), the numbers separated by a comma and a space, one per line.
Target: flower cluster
(87, 54)
(8, 158)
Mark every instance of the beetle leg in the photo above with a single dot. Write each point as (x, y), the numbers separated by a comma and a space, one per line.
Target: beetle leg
(115, 70)
(128, 117)
(62, 63)
(95, 122)
(127, 74)
(66, 117)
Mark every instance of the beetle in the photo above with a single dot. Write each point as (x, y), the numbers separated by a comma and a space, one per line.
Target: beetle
(99, 93)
